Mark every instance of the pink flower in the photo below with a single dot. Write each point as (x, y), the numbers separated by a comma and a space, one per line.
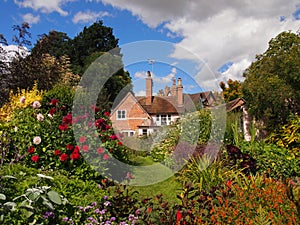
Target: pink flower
(105, 157)
(40, 117)
(37, 140)
(36, 104)
(22, 100)
(82, 139)
(100, 150)
(85, 148)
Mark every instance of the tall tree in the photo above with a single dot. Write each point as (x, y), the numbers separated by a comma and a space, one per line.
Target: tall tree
(272, 85)
(54, 43)
(95, 38)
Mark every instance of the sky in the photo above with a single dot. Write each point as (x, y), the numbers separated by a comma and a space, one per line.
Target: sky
(203, 42)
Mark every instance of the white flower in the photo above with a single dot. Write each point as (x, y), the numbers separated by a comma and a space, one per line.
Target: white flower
(36, 104)
(37, 140)
(22, 99)
(51, 117)
(16, 129)
(40, 117)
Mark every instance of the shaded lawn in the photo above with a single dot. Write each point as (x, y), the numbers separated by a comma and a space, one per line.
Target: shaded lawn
(153, 178)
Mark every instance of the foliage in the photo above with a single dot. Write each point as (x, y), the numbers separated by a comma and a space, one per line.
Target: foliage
(232, 132)
(288, 136)
(233, 91)
(95, 38)
(43, 137)
(254, 200)
(271, 88)
(36, 205)
(274, 161)
(199, 127)
(20, 100)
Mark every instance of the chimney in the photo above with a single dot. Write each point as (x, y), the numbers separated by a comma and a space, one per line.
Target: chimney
(149, 85)
(179, 93)
(173, 88)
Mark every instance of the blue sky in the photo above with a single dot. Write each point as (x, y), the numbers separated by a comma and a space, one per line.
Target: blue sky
(204, 42)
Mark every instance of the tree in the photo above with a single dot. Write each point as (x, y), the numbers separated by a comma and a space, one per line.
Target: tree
(232, 91)
(54, 43)
(271, 87)
(96, 38)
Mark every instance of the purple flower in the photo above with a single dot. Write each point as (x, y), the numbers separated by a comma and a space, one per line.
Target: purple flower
(113, 218)
(105, 197)
(48, 215)
(94, 204)
(107, 203)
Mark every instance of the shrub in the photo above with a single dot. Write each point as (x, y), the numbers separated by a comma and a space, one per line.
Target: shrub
(272, 160)
(20, 100)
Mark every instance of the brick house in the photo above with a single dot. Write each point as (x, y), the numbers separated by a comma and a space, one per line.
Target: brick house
(142, 115)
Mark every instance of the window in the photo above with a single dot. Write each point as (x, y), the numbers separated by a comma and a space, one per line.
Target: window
(121, 115)
(163, 119)
(145, 132)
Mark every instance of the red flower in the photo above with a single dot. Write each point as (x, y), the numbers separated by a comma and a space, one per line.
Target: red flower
(35, 158)
(82, 139)
(54, 101)
(229, 184)
(75, 155)
(106, 114)
(105, 157)
(67, 119)
(100, 150)
(63, 127)
(31, 149)
(76, 149)
(178, 217)
(120, 143)
(85, 148)
(113, 137)
(107, 127)
(57, 152)
(52, 111)
(70, 147)
(63, 157)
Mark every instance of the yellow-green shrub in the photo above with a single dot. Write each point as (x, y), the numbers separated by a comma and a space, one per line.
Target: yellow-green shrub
(8, 109)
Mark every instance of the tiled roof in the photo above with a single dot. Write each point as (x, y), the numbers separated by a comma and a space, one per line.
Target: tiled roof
(161, 105)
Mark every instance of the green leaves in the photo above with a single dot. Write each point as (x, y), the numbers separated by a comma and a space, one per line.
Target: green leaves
(54, 197)
(271, 88)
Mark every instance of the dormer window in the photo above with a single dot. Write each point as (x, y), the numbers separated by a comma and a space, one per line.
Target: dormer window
(121, 114)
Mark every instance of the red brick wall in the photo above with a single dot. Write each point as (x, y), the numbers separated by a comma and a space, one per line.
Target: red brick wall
(135, 115)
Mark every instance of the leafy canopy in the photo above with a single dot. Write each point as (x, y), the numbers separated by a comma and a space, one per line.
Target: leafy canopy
(272, 85)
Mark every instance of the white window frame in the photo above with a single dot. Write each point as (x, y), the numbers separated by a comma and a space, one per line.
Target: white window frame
(122, 113)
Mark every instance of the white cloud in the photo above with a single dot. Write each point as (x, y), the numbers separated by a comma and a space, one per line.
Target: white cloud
(88, 16)
(140, 93)
(31, 19)
(44, 6)
(217, 31)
